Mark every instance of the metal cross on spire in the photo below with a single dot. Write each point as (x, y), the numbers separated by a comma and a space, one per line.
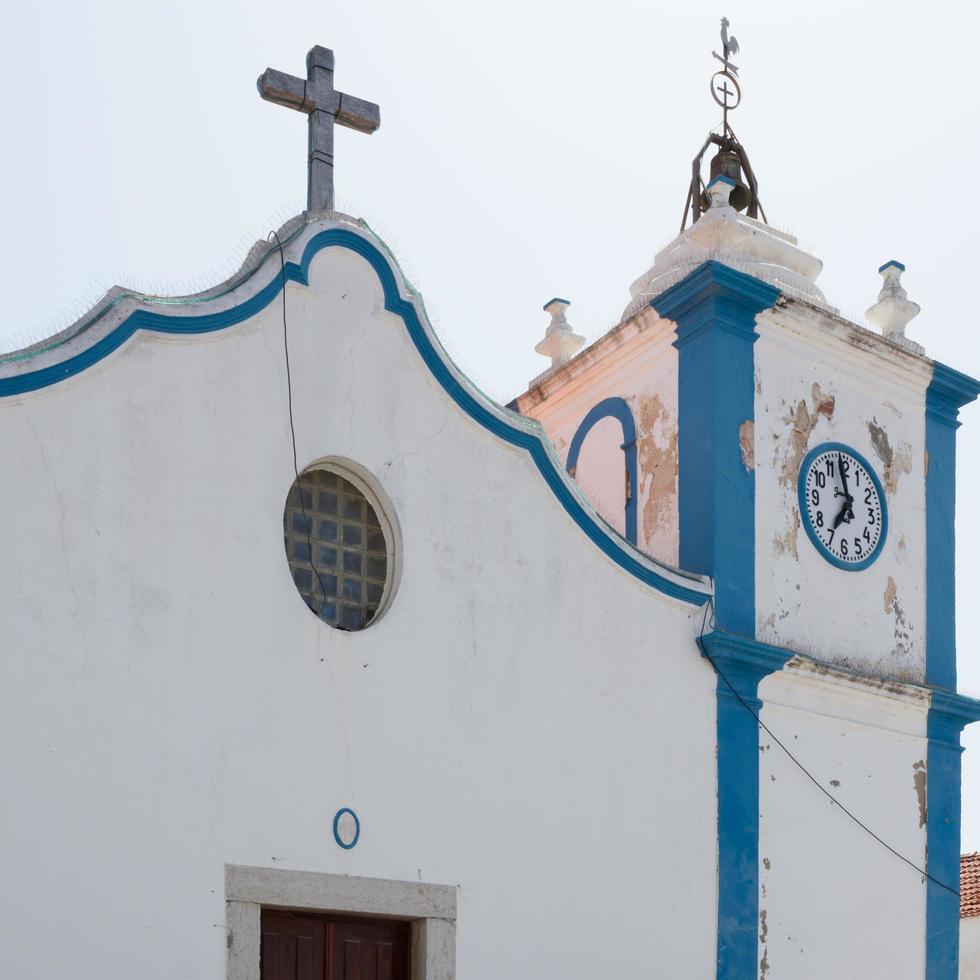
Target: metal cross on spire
(731, 161)
(315, 95)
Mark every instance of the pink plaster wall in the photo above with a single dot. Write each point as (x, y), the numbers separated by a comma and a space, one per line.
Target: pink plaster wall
(635, 362)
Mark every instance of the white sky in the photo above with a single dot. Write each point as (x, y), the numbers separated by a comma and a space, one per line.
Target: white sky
(527, 149)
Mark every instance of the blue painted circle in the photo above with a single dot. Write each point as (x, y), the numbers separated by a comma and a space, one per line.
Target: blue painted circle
(336, 828)
(839, 447)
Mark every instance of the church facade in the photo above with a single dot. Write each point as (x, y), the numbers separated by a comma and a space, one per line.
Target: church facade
(320, 663)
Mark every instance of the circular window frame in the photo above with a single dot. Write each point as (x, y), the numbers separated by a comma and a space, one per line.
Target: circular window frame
(374, 493)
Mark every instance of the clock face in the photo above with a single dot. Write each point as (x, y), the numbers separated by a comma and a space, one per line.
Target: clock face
(842, 506)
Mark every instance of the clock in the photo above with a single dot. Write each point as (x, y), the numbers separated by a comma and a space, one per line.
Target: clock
(842, 506)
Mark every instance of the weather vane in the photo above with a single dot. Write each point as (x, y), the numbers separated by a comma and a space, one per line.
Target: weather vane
(727, 98)
(731, 161)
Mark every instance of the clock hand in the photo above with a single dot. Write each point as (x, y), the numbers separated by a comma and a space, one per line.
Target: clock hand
(848, 499)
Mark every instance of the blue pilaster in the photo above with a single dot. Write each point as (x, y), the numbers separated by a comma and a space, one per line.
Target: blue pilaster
(714, 309)
(948, 715)
(948, 712)
(743, 663)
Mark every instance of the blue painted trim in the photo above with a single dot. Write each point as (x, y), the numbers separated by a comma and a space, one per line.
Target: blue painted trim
(336, 828)
(714, 309)
(556, 299)
(949, 712)
(948, 391)
(898, 265)
(744, 663)
(948, 715)
(618, 409)
(530, 441)
(804, 519)
(721, 178)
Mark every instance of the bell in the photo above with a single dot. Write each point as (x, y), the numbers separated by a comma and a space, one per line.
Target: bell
(726, 164)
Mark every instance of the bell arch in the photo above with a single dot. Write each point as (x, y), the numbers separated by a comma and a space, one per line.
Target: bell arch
(616, 408)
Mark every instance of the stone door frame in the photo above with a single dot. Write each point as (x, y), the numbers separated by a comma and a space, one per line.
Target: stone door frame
(430, 908)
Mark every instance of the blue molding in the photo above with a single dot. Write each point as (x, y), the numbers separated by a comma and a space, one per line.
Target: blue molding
(618, 409)
(744, 663)
(336, 828)
(949, 712)
(556, 299)
(948, 392)
(714, 310)
(534, 443)
(898, 265)
(805, 521)
(721, 179)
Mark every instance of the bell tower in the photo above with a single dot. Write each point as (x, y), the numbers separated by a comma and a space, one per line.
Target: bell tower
(735, 425)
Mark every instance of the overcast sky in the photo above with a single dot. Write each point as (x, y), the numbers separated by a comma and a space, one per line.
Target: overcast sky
(527, 149)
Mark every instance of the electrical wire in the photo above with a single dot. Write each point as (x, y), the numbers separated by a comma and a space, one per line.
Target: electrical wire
(292, 425)
(830, 796)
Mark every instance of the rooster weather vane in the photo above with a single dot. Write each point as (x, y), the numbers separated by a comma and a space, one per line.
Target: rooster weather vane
(731, 160)
(728, 45)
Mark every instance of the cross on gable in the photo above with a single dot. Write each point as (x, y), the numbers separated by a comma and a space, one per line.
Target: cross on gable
(316, 96)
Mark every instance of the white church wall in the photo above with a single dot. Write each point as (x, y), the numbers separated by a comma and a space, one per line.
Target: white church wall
(526, 721)
(833, 902)
(639, 366)
(970, 948)
(818, 380)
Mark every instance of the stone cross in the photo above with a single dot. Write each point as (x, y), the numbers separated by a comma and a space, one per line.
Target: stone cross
(315, 95)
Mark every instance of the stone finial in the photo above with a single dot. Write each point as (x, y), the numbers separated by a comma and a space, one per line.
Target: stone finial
(560, 342)
(894, 310)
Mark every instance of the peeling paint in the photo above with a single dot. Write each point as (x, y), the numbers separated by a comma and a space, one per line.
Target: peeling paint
(890, 591)
(657, 446)
(835, 782)
(879, 439)
(763, 934)
(803, 421)
(901, 465)
(746, 442)
(767, 863)
(897, 462)
(919, 778)
(786, 543)
(894, 608)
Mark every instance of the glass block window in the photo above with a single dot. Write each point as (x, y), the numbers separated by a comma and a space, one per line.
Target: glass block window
(336, 549)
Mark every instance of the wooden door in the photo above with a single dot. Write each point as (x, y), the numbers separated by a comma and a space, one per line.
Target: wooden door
(293, 947)
(297, 946)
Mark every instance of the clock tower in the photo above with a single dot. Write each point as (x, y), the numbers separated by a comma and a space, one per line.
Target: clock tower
(734, 424)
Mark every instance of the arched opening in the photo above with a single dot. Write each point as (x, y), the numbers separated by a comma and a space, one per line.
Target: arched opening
(618, 409)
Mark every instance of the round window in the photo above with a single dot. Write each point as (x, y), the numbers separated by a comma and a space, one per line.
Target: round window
(337, 549)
